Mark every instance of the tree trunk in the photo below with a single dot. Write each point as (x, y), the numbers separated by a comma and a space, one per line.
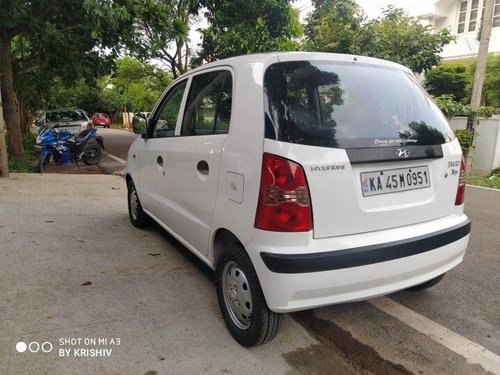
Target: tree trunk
(4, 162)
(24, 115)
(9, 101)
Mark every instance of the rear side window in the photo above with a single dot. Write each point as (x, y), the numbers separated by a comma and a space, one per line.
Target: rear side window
(208, 109)
(349, 106)
(66, 116)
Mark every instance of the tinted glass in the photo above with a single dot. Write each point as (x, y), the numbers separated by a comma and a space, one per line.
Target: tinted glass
(349, 105)
(164, 124)
(208, 109)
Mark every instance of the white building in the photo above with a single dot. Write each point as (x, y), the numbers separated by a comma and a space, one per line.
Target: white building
(463, 19)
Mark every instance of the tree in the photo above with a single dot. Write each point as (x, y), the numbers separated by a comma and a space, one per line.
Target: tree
(334, 26)
(340, 26)
(162, 32)
(54, 37)
(403, 39)
(134, 85)
(491, 87)
(241, 27)
(448, 78)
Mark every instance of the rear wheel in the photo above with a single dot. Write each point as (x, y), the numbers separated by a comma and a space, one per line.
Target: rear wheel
(43, 163)
(242, 301)
(137, 216)
(92, 154)
(427, 284)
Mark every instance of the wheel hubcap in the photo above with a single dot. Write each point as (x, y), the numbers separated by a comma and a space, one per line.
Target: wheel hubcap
(134, 204)
(237, 295)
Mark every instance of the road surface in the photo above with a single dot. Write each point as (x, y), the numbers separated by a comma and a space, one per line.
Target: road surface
(116, 143)
(406, 332)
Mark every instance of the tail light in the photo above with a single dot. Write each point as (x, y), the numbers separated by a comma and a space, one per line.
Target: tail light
(284, 203)
(89, 125)
(459, 200)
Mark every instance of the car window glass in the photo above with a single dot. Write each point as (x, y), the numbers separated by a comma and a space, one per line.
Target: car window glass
(349, 106)
(167, 119)
(65, 116)
(208, 109)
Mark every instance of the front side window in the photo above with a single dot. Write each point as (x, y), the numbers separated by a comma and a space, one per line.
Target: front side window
(344, 105)
(208, 108)
(164, 124)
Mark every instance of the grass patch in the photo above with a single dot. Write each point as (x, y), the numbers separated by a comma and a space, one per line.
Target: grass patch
(492, 181)
(25, 165)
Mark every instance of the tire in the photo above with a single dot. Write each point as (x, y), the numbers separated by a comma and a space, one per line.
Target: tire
(242, 301)
(92, 154)
(137, 216)
(427, 284)
(43, 162)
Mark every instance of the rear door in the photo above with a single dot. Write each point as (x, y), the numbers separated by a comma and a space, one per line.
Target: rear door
(194, 157)
(377, 152)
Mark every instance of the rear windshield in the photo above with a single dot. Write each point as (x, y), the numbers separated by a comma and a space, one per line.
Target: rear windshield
(349, 106)
(66, 116)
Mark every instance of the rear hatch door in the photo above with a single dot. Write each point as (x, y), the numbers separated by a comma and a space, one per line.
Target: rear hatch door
(376, 150)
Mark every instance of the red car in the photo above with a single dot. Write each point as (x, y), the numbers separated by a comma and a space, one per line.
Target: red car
(101, 119)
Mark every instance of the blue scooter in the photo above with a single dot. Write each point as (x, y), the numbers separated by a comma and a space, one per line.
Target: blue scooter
(62, 147)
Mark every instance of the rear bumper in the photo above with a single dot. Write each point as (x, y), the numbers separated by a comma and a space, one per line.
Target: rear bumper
(297, 280)
(362, 256)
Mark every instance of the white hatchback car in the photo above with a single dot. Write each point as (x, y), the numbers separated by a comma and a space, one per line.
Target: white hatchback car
(303, 180)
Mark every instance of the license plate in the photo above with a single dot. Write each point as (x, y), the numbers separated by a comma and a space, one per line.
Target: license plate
(394, 180)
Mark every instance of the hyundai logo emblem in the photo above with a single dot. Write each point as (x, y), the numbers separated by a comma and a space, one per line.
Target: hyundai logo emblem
(402, 152)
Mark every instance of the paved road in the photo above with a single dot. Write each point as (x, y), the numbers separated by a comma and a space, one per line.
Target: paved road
(117, 143)
(467, 302)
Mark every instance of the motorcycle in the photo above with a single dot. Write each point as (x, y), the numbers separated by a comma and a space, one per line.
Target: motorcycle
(63, 148)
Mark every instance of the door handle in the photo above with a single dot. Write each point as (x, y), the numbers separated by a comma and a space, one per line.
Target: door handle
(159, 160)
(202, 167)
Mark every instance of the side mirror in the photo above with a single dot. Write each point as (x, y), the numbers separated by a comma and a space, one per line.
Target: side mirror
(139, 124)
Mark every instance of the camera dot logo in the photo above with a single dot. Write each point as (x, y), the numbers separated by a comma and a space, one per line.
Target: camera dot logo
(21, 347)
(34, 347)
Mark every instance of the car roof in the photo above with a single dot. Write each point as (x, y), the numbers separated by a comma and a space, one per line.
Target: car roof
(271, 57)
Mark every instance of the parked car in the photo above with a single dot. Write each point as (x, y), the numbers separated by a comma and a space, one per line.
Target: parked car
(101, 119)
(303, 180)
(71, 120)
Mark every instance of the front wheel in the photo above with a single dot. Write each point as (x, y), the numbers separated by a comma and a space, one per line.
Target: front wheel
(43, 162)
(91, 154)
(137, 216)
(242, 301)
